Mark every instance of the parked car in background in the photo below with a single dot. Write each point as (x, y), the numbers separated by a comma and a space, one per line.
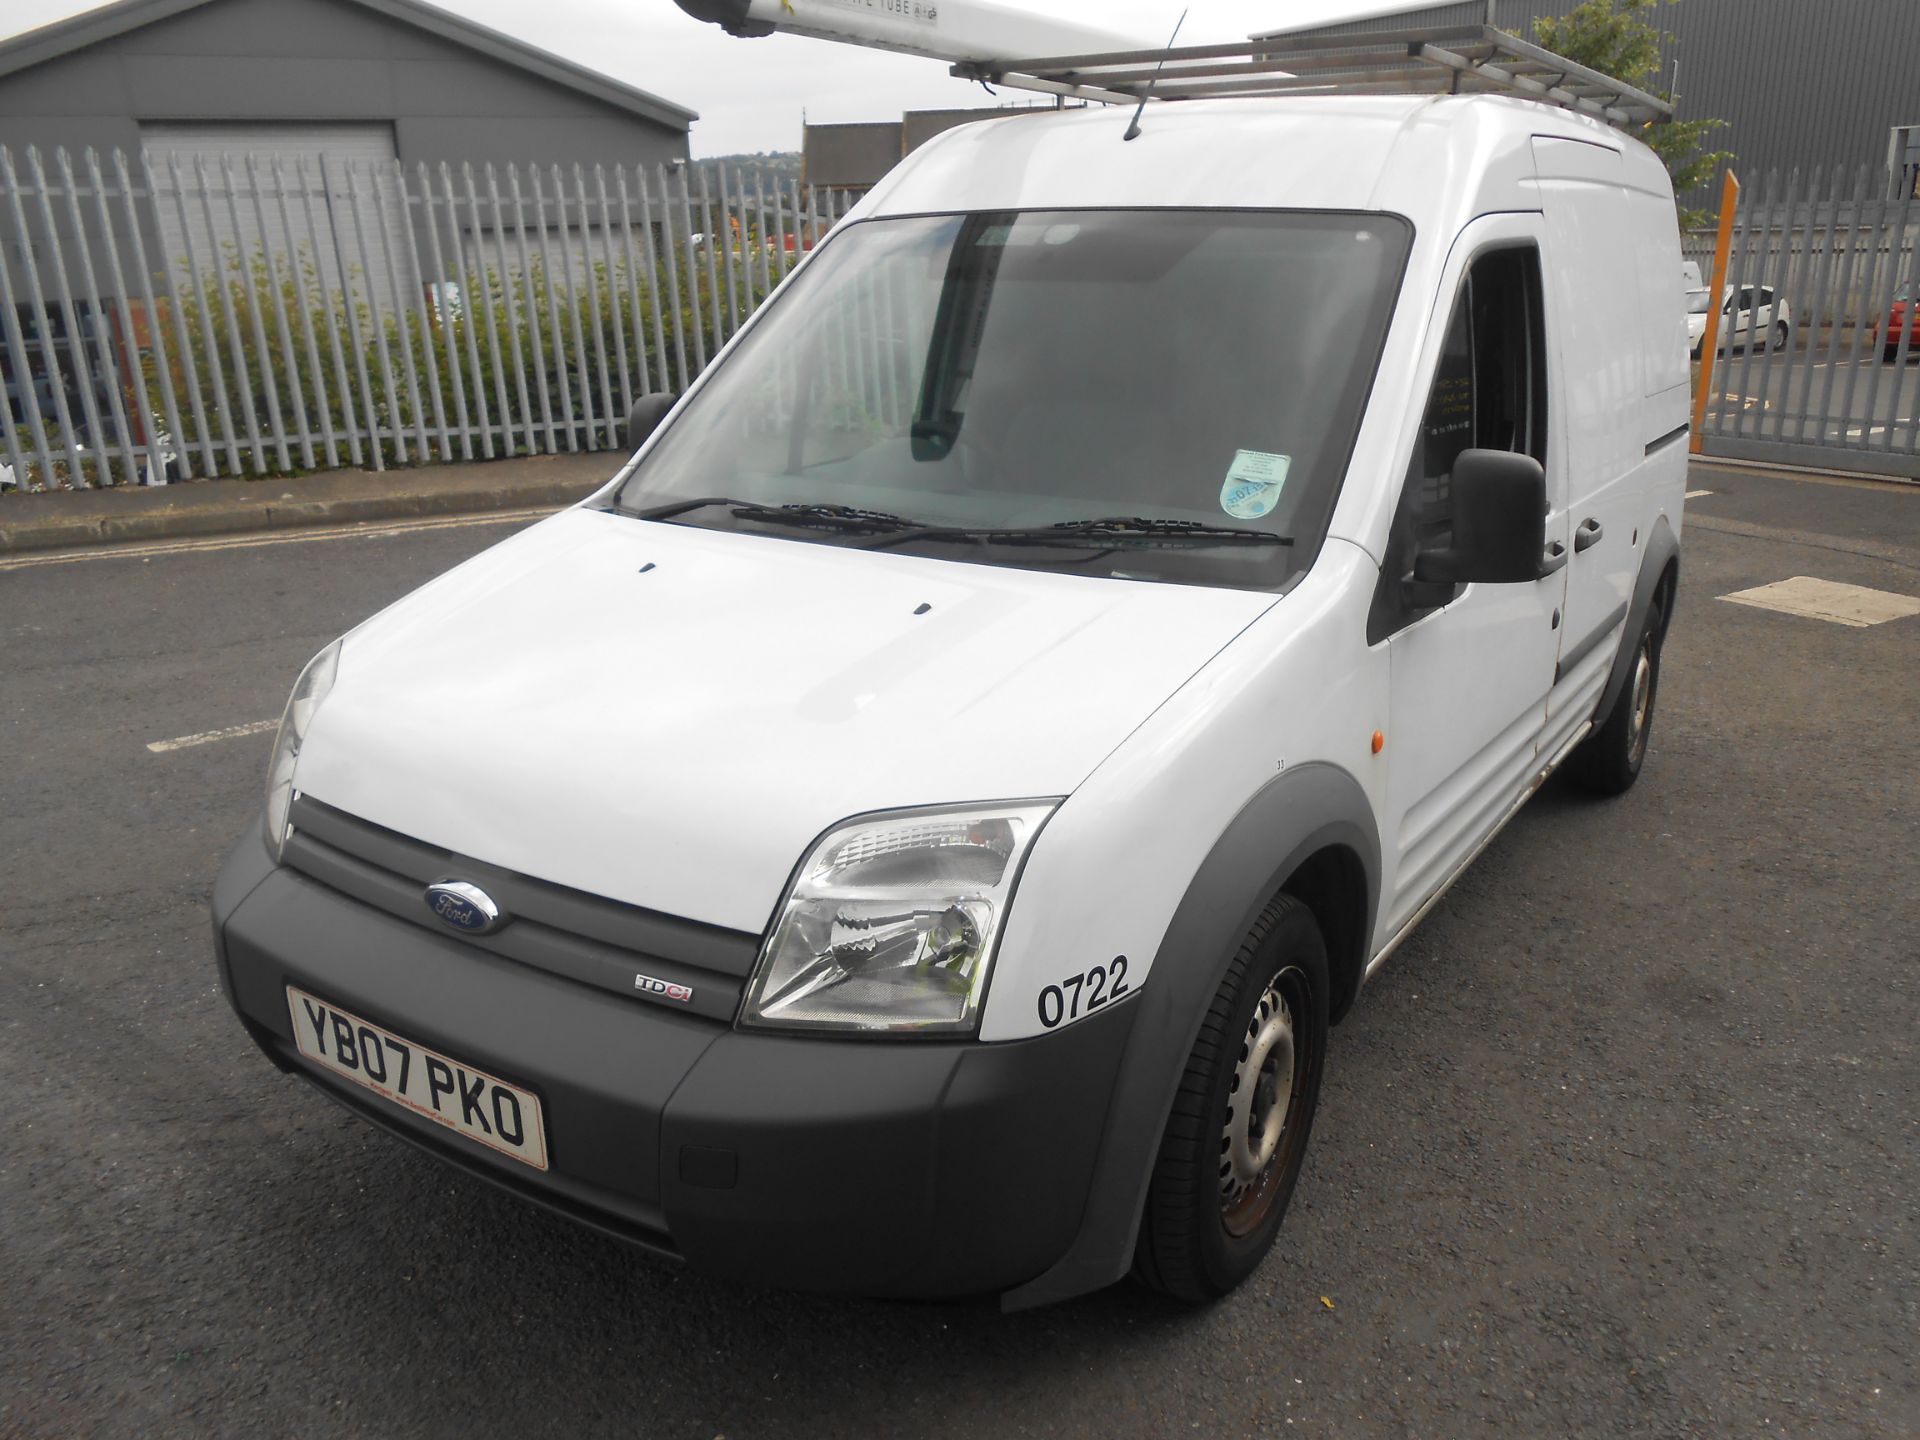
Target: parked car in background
(1904, 316)
(1761, 320)
(1699, 302)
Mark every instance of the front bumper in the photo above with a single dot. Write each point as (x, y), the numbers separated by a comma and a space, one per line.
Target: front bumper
(897, 1168)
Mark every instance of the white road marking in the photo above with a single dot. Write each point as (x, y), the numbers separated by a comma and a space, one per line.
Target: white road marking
(1854, 605)
(1696, 494)
(364, 530)
(207, 737)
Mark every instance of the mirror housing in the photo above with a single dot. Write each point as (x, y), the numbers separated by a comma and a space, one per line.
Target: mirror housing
(645, 417)
(1499, 523)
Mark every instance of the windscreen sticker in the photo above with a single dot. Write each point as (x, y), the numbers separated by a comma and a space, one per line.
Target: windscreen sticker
(1253, 484)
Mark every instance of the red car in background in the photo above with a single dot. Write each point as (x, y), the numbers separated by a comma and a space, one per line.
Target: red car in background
(1905, 315)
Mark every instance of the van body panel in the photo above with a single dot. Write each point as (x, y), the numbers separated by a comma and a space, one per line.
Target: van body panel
(1615, 310)
(677, 739)
(1470, 679)
(1296, 688)
(657, 715)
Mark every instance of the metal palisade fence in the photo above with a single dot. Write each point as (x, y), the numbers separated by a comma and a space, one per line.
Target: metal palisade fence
(173, 318)
(178, 317)
(1818, 357)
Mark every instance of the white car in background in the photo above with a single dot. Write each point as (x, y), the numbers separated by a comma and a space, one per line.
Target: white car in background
(1699, 302)
(1754, 319)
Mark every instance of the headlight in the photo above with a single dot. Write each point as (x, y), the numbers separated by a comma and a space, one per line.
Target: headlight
(308, 691)
(890, 925)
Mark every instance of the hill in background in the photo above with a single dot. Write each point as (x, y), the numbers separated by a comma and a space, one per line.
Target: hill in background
(769, 167)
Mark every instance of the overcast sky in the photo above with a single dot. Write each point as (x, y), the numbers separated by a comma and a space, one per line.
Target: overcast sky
(751, 93)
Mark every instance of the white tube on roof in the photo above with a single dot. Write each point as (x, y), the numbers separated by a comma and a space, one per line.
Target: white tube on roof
(950, 30)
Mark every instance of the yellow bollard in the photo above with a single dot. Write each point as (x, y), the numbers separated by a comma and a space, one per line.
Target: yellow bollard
(1710, 342)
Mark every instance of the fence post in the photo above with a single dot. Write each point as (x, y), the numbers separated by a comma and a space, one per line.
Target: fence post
(96, 433)
(17, 345)
(407, 277)
(156, 331)
(641, 369)
(247, 286)
(1882, 311)
(302, 309)
(395, 427)
(343, 382)
(485, 291)
(1723, 241)
(116, 386)
(1840, 309)
(441, 315)
(532, 311)
(43, 331)
(556, 333)
(593, 305)
(616, 302)
(237, 350)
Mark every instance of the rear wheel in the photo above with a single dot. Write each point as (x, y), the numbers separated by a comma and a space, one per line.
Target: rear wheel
(1780, 336)
(1237, 1136)
(1608, 760)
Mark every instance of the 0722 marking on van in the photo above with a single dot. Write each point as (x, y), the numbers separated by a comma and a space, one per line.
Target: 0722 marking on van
(1060, 1004)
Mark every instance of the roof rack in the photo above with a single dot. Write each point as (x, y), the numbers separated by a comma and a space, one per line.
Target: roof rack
(1451, 60)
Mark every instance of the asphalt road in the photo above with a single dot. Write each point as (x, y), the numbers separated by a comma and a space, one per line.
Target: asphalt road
(1623, 1142)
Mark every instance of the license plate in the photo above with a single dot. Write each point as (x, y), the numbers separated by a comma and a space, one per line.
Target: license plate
(467, 1101)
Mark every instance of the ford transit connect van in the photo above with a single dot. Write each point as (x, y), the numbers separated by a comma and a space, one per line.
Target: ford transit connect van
(912, 832)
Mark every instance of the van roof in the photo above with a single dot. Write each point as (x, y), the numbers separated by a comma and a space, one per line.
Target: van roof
(1424, 157)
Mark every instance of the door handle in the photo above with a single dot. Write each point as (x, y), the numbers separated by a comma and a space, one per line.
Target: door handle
(1553, 560)
(1588, 534)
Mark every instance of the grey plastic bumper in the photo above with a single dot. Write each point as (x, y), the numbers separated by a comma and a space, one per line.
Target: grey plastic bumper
(879, 1168)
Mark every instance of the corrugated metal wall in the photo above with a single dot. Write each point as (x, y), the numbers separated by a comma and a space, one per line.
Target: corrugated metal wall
(1801, 83)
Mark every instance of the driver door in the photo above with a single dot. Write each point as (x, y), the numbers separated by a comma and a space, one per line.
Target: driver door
(1470, 670)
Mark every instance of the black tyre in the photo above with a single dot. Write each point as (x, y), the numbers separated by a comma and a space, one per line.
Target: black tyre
(1608, 760)
(1237, 1136)
(1780, 336)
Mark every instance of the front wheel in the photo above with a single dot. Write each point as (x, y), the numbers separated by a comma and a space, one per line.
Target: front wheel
(1608, 761)
(1237, 1136)
(1780, 336)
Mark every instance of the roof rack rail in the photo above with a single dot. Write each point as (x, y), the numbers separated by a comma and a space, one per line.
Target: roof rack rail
(1449, 60)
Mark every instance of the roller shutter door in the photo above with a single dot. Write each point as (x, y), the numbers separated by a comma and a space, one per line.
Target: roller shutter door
(342, 210)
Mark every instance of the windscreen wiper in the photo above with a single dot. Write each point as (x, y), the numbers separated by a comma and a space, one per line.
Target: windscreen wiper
(1109, 532)
(821, 514)
(1122, 526)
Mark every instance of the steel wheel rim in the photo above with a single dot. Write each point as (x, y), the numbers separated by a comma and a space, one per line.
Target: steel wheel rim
(1266, 1079)
(1642, 700)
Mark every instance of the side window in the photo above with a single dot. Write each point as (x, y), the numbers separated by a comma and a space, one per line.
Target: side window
(1489, 392)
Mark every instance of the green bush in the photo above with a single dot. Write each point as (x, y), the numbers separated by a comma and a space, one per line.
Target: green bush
(526, 348)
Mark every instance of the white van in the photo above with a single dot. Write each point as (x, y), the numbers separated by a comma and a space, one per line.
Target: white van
(912, 831)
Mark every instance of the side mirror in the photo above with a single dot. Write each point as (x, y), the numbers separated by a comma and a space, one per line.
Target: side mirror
(645, 417)
(1499, 522)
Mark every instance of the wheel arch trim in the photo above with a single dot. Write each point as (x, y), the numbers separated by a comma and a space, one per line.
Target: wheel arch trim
(1299, 814)
(1660, 558)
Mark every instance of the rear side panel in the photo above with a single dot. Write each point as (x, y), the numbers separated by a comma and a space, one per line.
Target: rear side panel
(1617, 330)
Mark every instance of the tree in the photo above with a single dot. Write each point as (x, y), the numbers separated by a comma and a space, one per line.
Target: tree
(1616, 38)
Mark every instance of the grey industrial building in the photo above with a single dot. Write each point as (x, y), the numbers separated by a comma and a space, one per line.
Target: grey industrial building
(240, 121)
(1801, 83)
(398, 78)
(854, 156)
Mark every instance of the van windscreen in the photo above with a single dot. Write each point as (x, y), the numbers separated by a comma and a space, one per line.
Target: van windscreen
(1146, 394)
